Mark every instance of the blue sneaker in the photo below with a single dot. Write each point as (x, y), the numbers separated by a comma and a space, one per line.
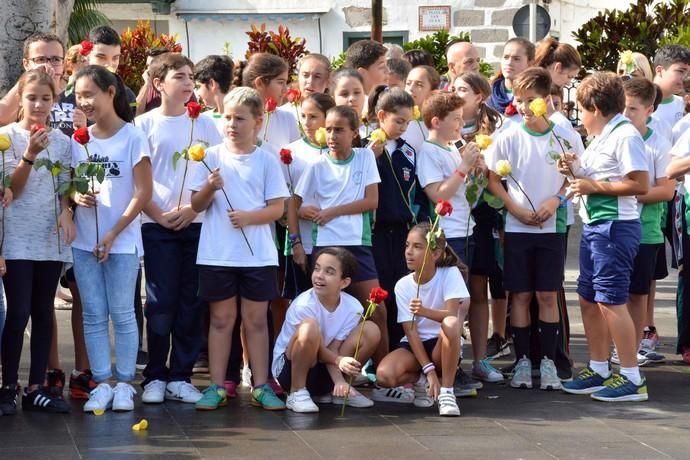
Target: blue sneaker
(619, 388)
(264, 396)
(586, 382)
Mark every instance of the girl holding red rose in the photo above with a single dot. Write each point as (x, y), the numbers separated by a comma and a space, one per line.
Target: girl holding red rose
(428, 355)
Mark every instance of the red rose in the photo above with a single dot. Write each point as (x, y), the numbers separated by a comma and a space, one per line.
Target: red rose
(85, 48)
(82, 136)
(443, 208)
(193, 110)
(378, 295)
(286, 156)
(293, 96)
(36, 127)
(270, 105)
(510, 109)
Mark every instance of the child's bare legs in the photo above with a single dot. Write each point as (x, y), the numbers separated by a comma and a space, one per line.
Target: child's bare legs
(499, 315)
(596, 330)
(368, 344)
(449, 338)
(479, 316)
(622, 329)
(303, 351)
(651, 300)
(255, 325)
(361, 291)
(245, 353)
(222, 319)
(637, 306)
(400, 367)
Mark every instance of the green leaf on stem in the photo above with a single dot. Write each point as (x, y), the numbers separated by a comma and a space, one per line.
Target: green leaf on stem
(56, 169)
(64, 188)
(175, 159)
(6, 180)
(493, 201)
(100, 174)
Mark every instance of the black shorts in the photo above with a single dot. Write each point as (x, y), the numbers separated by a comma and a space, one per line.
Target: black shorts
(254, 283)
(296, 280)
(643, 269)
(487, 253)
(429, 346)
(533, 262)
(661, 267)
(318, 379)
(366, 267)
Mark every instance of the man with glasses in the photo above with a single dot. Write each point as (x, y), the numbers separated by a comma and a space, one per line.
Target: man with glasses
(43, 51)
(462, 57)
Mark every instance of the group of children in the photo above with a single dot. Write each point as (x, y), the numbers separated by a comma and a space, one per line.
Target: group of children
(321, 201)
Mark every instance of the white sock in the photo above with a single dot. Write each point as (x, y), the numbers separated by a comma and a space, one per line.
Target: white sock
(633, 374)
(601, 368)
(446, 390)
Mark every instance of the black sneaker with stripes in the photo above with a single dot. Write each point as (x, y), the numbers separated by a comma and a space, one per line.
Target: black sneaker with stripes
(42, 400)
(8, 400)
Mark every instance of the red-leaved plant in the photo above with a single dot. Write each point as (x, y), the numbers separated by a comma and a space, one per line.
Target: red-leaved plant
(281, 44)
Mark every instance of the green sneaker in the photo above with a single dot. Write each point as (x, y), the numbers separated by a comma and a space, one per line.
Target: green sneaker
(213, 398)
(264, 396)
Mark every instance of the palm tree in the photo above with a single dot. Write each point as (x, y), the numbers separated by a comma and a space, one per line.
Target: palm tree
(85, 16)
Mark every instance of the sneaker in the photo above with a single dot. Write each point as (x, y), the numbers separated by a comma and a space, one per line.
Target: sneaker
(100, 398)
(212, 398)
(123, 397)
(230, 388)
(264, 397)
(43, 400)
(685, 354)
(81, 385)
(277, 389)
(55, 382)
(323, 399)
(421, 396)
(201, 364)
(619, 388)
(565, 373)
(400, 395)
(614, 359)
(484, 371)
(142, 360)
(522, 376)
(497, 346)
(154, 392)
(246, 376)
(182, 391)
(8, 400)
(548, 375)
(586, 382)
(508, 370)
(464, 385)
(650, 338)
(642, 359)
(447, 405)
(370, 371)
(300, 401)
(354, 399)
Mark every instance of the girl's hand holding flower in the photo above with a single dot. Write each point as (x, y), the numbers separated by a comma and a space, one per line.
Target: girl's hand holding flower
(215, 180)
(349, 365)
(416, 307)
(38, 141)
(7, 197)
(86, 200)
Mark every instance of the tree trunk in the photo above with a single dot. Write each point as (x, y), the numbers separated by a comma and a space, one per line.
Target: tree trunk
(377, 20)
(21, 18)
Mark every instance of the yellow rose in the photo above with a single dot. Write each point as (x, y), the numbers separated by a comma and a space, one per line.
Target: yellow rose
(627, 57)
(321, 136)
(378, 135)
(416, 113)
(483, 141)
(503, 168)
(196, 152)
(538, 107)
(4, 142)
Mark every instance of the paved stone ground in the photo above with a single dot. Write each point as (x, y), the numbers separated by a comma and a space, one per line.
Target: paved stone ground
(500, 423)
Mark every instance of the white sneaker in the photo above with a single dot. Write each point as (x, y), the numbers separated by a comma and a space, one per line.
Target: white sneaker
(323, 399)
(447, 405)
(355, 399)
(182, 391)
(100, 398)
(400, 395)
(522, 375)
(154, 392)
(246, 377)
(421, 397)
(123, 399)
(614, 357)
(549, 375)
(300, 401)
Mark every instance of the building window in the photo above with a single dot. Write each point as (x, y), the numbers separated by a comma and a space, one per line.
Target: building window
(398, 37)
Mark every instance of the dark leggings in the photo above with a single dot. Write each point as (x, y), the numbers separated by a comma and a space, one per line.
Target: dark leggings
(30, 289)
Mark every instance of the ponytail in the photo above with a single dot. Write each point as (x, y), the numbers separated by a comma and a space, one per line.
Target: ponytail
(237, 73)
(104, 79)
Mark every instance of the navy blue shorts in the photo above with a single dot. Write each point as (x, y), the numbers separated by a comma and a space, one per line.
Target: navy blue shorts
(643, 269)
(464, 248)
(607, 254)
(534, 262)
(429, 346)
(485, 260)
(366, 267)
(254, 283)
(319, 381)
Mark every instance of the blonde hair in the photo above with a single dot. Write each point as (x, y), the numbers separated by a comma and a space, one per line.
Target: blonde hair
(249, 97)
(641, 63)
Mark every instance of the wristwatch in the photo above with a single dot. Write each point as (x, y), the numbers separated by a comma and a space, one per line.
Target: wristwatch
(564, 201)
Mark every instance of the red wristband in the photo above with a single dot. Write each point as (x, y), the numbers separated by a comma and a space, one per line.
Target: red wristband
(460, 173)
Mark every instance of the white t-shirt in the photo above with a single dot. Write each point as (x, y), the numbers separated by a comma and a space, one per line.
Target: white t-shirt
(658, 157)
(681, 127)
(218, 120)
(30, 219)
(671, 110)
(616, 152)
(281, 129)
(250, 181)
(118, 155)
(532, 157)
(446, 284)
(561, 120)
(681, 149)
(303, 154)
(333, 183)
(659, 126)
(167, 135)
(416, 134)
(334, 325)
(436, 164)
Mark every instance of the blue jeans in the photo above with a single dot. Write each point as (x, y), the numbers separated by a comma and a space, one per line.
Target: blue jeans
(2, 308)
(107, 290)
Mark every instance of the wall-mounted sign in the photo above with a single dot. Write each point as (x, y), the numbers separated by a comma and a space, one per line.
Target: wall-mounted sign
(432, 18)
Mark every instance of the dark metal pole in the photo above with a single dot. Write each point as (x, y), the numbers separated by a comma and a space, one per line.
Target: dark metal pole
(377, 20)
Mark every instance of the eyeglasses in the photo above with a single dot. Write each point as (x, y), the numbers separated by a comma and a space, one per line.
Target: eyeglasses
(52, 60)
